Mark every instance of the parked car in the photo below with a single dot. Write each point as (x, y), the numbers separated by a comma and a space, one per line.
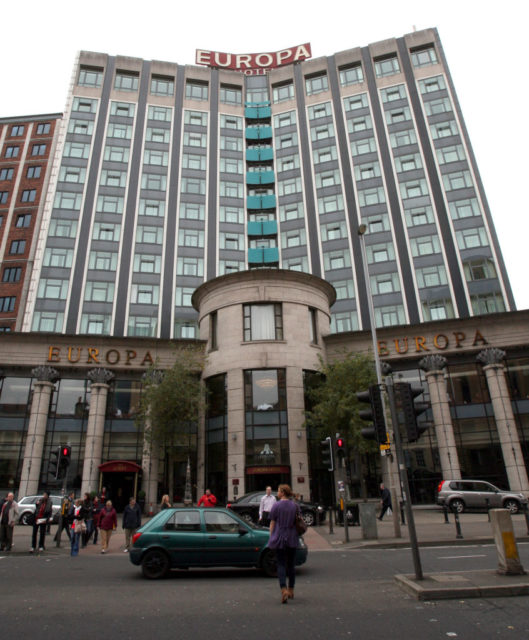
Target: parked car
(203, 537)
(460, 495)
(26, 508)
(247, 507)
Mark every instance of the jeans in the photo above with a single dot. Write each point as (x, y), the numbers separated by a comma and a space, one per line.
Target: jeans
(88, 532)
(65, 526)
(6, 537)
(74, 541)
(286, 566)
(41, 528)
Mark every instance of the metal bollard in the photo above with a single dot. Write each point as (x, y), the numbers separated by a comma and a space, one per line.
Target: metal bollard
(445, 513)
(458, 526)
(402, 513)
(331, 530)
(526, 516)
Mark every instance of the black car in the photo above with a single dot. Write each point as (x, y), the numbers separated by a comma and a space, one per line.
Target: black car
(247, 508)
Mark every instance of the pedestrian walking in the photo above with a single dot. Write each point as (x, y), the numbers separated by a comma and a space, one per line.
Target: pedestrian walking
(43, 513)
(165, 504)
(64, 522)
(108, 521)
(284, 539)
(208, 499)
(131, 521)
(265, 506)
(97, 506)
(78, 526)
(88, 509)
(385, 500)
(8, 519)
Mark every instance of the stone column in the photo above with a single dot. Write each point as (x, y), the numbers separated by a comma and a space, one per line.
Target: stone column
(95, 427)
(491, 359)
(297, 433)
(444, 429)
(236, 434)
(150, 460)
(38, 419)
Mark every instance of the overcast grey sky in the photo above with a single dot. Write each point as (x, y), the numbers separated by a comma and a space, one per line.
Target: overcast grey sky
(484, 42)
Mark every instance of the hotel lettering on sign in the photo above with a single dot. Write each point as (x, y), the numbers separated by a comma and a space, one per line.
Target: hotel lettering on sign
(252, 64)
(93, 356)
(438, 342)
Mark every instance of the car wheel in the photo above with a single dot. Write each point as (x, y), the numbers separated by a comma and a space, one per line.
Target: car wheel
(457, 505)
(308, 518)
(155, 564)
(25, 518)
(247, 517)
(269, 563)
(512, 505)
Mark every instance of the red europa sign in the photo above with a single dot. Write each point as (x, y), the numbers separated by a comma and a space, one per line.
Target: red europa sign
(253, 63)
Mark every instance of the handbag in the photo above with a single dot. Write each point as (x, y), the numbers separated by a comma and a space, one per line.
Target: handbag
(301, 525)
(80, 526)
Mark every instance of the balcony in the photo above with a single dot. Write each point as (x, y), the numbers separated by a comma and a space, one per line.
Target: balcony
(262, 228)
(258, 113)
(258, 133)
(260, 177)
(260, 255)
(259, 155)
(261, 202)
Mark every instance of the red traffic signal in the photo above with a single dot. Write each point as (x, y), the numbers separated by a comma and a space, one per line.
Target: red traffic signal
(340, 446)
(339, 443)
(66, 451)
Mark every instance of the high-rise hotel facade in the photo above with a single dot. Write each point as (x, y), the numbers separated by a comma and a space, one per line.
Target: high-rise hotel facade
(215, 204)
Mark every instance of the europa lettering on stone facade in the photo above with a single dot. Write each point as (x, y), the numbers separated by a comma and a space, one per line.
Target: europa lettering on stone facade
(253, 63)
(418, 344)
(93, 355)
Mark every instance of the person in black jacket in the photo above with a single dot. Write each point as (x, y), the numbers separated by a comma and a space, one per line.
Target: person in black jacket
(88, 514)
(43, 513)
(385, 500)
(131, 521)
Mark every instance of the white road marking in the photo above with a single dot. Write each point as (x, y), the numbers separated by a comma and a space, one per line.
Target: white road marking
(482, 555)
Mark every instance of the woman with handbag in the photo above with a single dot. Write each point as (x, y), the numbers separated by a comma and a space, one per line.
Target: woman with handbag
(284, 539)
(78, 525)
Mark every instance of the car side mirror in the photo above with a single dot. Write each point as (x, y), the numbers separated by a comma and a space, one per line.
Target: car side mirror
(242, 530)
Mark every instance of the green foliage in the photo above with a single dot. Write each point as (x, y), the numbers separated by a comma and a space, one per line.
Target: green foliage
(334, 407)
(172, 399)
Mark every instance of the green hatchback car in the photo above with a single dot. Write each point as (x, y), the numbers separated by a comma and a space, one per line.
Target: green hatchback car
(203, 537)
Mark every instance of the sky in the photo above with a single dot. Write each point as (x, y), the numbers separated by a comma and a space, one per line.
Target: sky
(484, 42)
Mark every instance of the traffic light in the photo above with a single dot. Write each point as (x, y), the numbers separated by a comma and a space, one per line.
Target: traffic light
(377, 431)
(64, 460)
(54, 463)
(340, 446)
(406, 395)
(326, 453)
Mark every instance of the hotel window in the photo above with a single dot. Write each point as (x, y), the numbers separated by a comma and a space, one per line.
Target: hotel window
(282, 92)
(299, 263)
(153, 181)
(162, 85)
(17, 130)
(53, 289)
(11, 274)
(434, 107)
(188, 266)
(146, 263)
(7, 303)
(316, 84)
(144, 294)
(397, 92)
(287, 187)
(90, 76)
(336, 260)
(113, 178)
(343, 321)
(431, 276)
(213, 330)
(444, 129)
(232, 214)
(430, 85)
(352, 103)
(325, 154)
(95, 323)
(333, 231)
(366, 145)
(367, 171)
(191, 211)
(287, 140)
(33, 172)
(368, 197)
(380, 252)
(437, 310)
(110, 204)
(319, 111)
(84, 105)
(149, 235)
(162, 114)
(327, 178)
(231, 189)
(121, 131)
(487, 303)
(287, 163)
(152, 207)
(344, 289)
(416, 216)
(313, 325)
(185, 329)
(322, 132)
(453, 153)
(61, 258)
(377, 223)
(230, 143)
(142, 326)
(183, 296)
(457, 180)
(38, 150)
(387, 66)
(125, 109)
(23, 220)
(4, 195)
(157, 135)
(156, 158)
(257, 95)
(65, 200)
(28, 195)
(11, 152)
(195, 139)
(116, 154)
(81, 127)
(106, 231)
(464, 208)
(230, 266)
(126, 81)
(413, 189)
(230, 165)
(403, 138)
(292, 211)
(196, 90)
(231, 241)
(262, 322)
(62, 228)
(351, 74)
(230, 122)
(262, 243)
(103, 260)
(385, 283)
(330, 204)
(408, 162)
(401, 114)
(7, 174)
(190, 238)
(47, 321)
(424, 56)
(285, 119)
(361, 123)
(230, 94)
(76, 150)
(425, 246)
(99, 291)
(293, 238)
(389, 316)
(481, 269)
(471, 238)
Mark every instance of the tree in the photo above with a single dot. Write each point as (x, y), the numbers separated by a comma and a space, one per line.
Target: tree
(171, 403)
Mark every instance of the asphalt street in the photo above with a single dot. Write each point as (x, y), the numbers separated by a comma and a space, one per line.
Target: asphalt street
(340, 593)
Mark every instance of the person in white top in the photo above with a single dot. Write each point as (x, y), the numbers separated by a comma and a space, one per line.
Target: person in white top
(267, 502)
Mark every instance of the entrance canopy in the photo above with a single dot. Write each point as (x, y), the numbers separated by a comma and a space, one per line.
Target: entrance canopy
(119, 466)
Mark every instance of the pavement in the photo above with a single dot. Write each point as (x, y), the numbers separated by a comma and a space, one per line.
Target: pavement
(432, 531)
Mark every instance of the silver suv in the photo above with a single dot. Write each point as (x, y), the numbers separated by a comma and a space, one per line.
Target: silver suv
(459, 495)
(26, 508)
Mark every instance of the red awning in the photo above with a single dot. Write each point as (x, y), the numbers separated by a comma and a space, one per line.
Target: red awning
(119, 466)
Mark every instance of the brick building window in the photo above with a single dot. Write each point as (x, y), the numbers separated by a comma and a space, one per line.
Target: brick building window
(7, 303)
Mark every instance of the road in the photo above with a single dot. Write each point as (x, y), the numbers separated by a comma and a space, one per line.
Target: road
(340, 594)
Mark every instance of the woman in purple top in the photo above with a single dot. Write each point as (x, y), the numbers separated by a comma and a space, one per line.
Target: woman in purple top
(284, 539)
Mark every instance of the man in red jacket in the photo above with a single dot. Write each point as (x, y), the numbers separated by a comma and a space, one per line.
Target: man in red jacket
(208, 499)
